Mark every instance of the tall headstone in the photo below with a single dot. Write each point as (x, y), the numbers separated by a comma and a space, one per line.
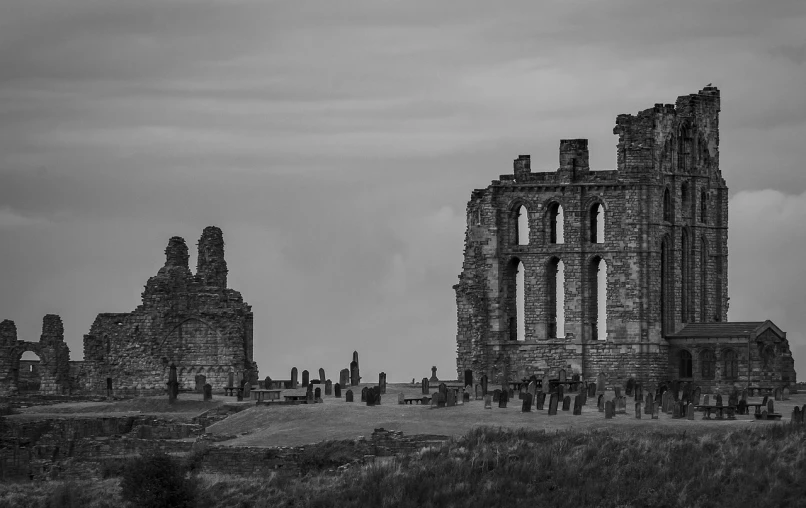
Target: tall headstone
(600, 404)
(561, 391)
(496, 395)
(434, 377)
(592, 390)
(545, 385)
(578, 404)
(424, 386)
(503, 399)
(540, 401)
(648, 404)
(527, 405)
(478, 392)
(382, 382)
(247, 389)
(770, 407)
(328, 387)
(364, 394)
(173, 384)
(355, 376)
(655, 410)
(305, 378)
(294, 381)
(337, 390)
(567, 403)
(321, 375)
(348, 396)
(628, 391)
(689, 411)
(451, 398)
(600, 383)
(370, 398)
(638, 410)
(317, 395)
(553, 401)
(609, 409)
(208, 392)
(531, 389)
(344, 378)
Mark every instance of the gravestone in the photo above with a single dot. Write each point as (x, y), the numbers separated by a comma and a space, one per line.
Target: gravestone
(208, 392)
(687, 391)
(434, 377)
(706, 401)
(305, 378)
(532, 388)
(370, 397)
(526, 407)
(560, 392)
(488, 402)
(764, 414)
(617, 389)
(567, 403)
(583, 397)
(600, 383)
(785, 394)
(451, 398)
(630, 387)
(201, 380)
(695, 396)
(435, 400)
(231, 380)
(690, 411)
(545, 387)
(733, 398)
(401, 399)
(173, 384)
(578, 405)
(744, 395)
(770, 407)
(382, 382)
(764, 400)
(309, 398)
(639, 392)
(484, 384)
(511, 393)
(355, 376)
(675, 410)
(742, 407)
(796, 416)
(443, 388)
(592, 390)
(654, 411)
(465, 397)
(496, 395)
(621, 405)
(317, 395)
(503, 399)
(718, 400)
(364, 394)
(648, 404)
(442, 399)
(321, 375)
(675, 388)
(576, 378)
(601, 403)
(609, 411)
(344, 378)
(664, 402)
(348, 396)
(479, 393)
(337, 390)
(638, 410)
(778, 394)
(553, 400)
(294, 381)
(424, 386)
(562, 376)
(328, 387)
(540, 401)
(239, 393)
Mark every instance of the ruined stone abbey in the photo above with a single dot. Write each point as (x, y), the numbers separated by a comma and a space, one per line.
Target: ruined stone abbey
(194, 322)
(621, 272)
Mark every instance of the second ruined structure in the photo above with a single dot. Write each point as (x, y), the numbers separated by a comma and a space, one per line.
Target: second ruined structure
(648, 241)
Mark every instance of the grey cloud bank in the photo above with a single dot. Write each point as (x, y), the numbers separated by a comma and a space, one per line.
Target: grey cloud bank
(336, 144)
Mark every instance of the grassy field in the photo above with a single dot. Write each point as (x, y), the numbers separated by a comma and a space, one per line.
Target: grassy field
(616, 467)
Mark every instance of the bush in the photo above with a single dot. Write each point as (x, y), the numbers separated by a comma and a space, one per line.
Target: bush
(157, 480)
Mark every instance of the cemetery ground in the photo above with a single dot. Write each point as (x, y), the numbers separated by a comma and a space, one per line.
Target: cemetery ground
(490, 457)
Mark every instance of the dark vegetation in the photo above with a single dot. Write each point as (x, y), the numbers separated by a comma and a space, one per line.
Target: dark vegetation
(492, 467)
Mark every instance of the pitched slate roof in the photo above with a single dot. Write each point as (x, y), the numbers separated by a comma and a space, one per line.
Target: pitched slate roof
(721, 329)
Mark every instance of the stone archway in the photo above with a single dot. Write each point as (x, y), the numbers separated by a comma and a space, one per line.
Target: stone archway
(53, 353)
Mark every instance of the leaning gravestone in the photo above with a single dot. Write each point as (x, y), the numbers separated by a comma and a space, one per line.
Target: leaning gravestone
(348, 396)
(337, 390)
(600, 383)
(527, 405)
(578, 405)
(532, 388)
(451, 398)
(247, 389)
(567, 403)
(321, 375)
(364, 394)
(488, 402)
(328, 387)
(609, 410)
(553, 404)
(540, 400)
(601, 403)
(208, 392)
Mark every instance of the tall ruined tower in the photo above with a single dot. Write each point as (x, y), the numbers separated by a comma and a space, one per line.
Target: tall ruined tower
(211, 265)
(545, 251)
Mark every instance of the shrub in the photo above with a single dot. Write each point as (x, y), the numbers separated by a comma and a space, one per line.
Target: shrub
(157, 480)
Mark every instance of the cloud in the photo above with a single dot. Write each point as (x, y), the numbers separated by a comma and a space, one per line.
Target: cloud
(795, 54)
(10, 219)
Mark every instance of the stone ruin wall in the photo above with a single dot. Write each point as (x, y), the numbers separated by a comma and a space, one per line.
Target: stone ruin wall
(192, 321)
(660, 148)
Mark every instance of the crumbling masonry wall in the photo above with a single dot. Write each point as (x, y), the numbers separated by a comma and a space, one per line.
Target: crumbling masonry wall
(53, 353)
(665, 249)
(192, 321)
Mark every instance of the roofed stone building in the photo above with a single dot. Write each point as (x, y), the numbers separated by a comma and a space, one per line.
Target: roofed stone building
(611, 271)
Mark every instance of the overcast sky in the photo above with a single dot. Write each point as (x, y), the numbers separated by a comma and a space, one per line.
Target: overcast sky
(336, 143)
